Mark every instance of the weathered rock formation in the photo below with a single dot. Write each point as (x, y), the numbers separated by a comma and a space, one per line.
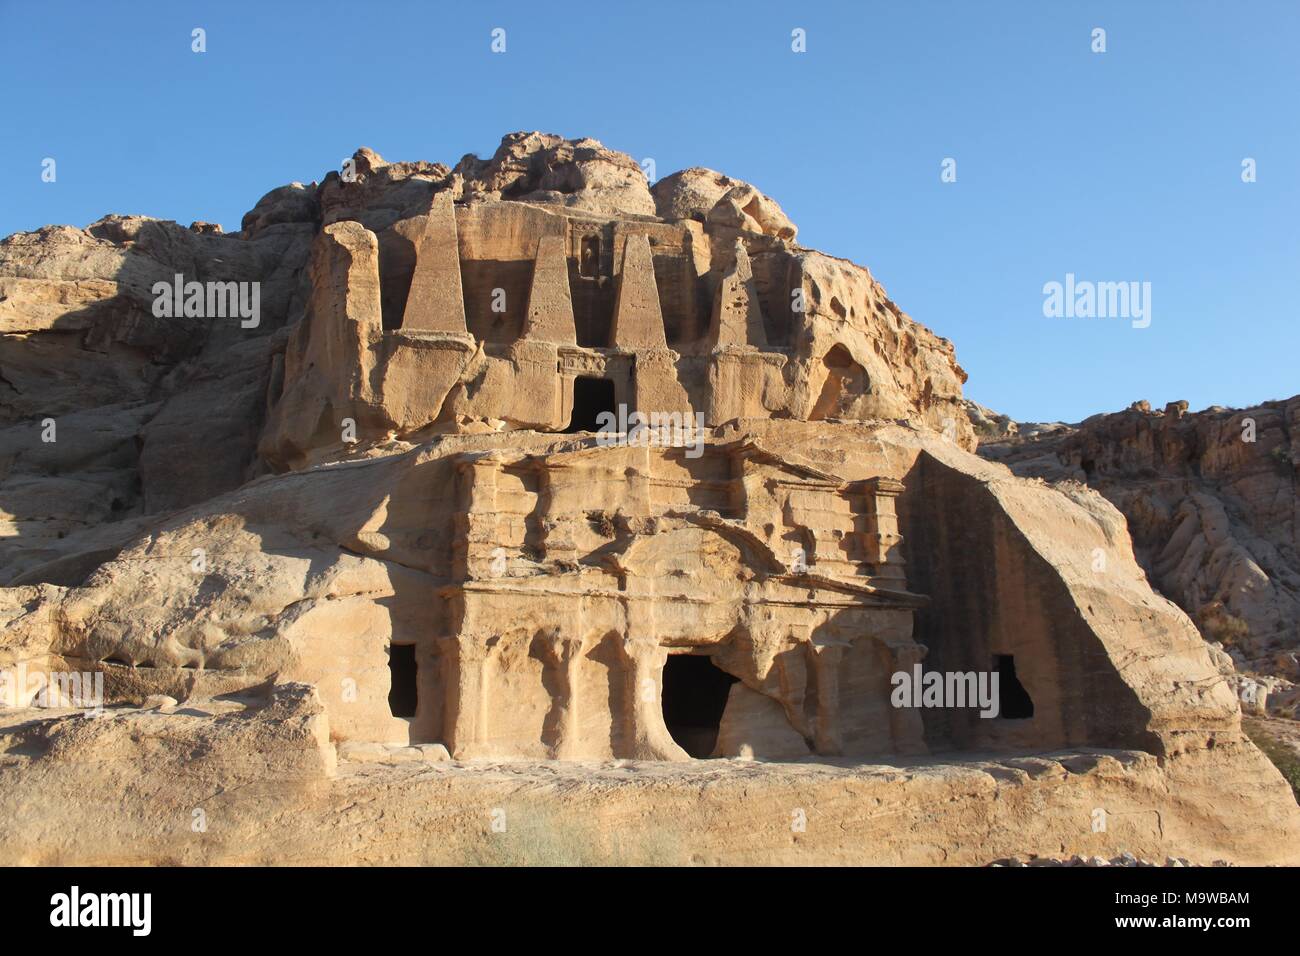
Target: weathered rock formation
(482, 311)
(406, 527)
(1212, 504)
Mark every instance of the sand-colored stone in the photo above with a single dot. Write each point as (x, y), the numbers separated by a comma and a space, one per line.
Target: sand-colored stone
(550, 304)
(1211, 504)
(638, 323)
(737, 310)
(431, 589)
(435, 302)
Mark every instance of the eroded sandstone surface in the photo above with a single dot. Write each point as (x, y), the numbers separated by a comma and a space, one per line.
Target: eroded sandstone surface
(366, 581)
(1212, 504)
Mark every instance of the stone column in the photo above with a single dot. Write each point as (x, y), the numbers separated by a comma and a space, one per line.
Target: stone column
(557, 516)
(564, 654)
(477, 534)
(906, 726)
(881, 539)
(346, 319)
(827, 655)
(648, 737)
(469, 698)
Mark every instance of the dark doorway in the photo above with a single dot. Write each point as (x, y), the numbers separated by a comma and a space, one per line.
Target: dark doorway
(591, 396)
(1014, 701)
(401, 669)
(695, 695)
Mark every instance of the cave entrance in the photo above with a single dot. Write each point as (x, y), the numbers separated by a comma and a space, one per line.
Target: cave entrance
(402, 668)
(591, 397)
(695, 695)
(1014, 701)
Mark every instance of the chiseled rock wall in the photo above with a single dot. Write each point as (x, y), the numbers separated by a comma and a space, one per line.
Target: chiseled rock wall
(310, 576)
(460, 337)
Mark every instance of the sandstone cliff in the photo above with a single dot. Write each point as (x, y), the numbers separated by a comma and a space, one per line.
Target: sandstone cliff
(360, 566)
(1212, 503)
(279, 651)
(142, 403)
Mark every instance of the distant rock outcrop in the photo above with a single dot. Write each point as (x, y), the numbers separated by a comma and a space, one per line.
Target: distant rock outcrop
(1213, 504)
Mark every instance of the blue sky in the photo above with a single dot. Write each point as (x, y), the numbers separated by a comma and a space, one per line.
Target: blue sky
(1120, 166)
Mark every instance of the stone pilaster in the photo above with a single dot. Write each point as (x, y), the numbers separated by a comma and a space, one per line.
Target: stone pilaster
(563, 652)
(881, 539)
(647, 734)
(739, 378)
(559, 543)
(469, 697)
(826, 657)
(478, 537)
(906, 726)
